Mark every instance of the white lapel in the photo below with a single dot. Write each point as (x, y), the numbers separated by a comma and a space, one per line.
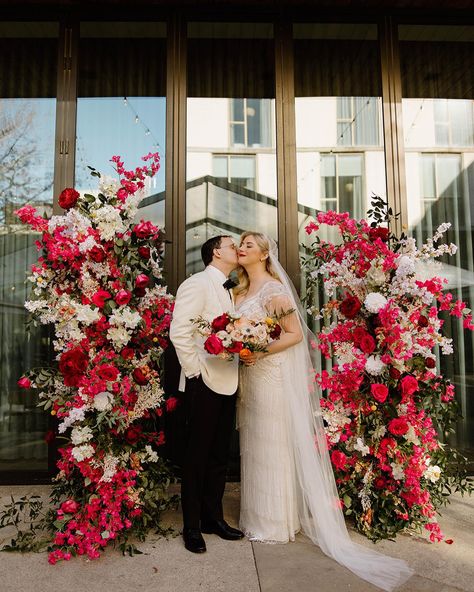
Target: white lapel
(224, 296)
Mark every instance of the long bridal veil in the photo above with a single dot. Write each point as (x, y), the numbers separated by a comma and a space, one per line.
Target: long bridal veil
(319, 511)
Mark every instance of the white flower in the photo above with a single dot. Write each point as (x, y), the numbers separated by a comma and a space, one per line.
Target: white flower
(432, 473)
(411, 436)
(119, 336)
(108, 186)
(374, 365)
(80, 453)
(109, 221)
(379, 432)
(125, 316)
(103, 401)
(87, 244)
(376, 275)
(374, 302)
(405, 266)
(152, 456)
(110, 467)
(81, 434)
(397, 471)
(75, 414)
(361, 447)
(86, 314)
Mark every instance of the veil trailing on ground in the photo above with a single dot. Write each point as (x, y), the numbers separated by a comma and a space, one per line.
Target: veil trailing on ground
(319, 508)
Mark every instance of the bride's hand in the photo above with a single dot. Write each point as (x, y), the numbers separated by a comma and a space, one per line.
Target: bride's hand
(250, 359)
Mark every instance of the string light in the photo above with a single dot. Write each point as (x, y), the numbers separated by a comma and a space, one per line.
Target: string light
(138, 120)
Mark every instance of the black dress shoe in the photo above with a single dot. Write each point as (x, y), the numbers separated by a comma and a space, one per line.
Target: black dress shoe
(222, 529)
(193, 540)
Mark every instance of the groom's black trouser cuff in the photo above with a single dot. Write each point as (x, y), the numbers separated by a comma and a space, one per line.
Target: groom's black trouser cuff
(209, 427)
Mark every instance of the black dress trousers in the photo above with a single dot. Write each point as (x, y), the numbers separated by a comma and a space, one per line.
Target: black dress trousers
(209, 418)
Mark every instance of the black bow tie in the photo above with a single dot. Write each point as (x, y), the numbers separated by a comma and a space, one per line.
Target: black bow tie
(228, 284)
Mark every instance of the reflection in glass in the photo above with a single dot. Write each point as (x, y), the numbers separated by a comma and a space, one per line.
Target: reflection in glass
(339, 143)
(28, 56)
(438, 122)
(121, 105)
(231, 159)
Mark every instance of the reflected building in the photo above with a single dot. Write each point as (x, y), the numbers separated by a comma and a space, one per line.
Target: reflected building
(261, 120)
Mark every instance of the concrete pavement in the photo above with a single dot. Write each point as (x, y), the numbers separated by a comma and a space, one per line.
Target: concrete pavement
(166, 566)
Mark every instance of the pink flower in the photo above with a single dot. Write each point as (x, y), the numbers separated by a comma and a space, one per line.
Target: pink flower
(24, 382)
(409, 385)
(379, 392)
(144, 229)
(142, 281)
(70, 506)
(339, 459)
(100, 297)
(123, 297)
(398, 426)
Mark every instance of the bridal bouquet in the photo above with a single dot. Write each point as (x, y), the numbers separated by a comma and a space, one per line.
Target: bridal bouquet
(98, 282)
(231, 333)
(385, 403)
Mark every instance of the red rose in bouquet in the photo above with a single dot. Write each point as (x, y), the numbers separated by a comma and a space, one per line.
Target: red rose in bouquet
(379, 232)
(408, 385)
(123, 297)
(68, 198)
(144, 229)
(127, 353)
(100, 297)
(236, 347)
(24, 382)
(72, 365)
(213, 345)
(379, 392)
(220, 323)
(367, 343)
(339, 459)
(70, 506)
(107, 372)
(142, 281)
(398, 426)
(276, 332)
(97, 254)
(350, 306)
(144, 252)
(139, 376)
(133, 434)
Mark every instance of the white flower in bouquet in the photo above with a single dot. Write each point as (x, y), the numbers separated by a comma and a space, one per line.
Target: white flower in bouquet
(405, 266)
(108, 221)
(361, 447)
(411, 436)
(126, 317)
(86, 314)
(379, 432)
(130, 207)
(108, 186)
(374, 301)
(397, 471)
(225, 338)
(110, 467)
(103, 401)
(374, 365)
(82, 452)
(119, 336)
(79, 435)
(75, 414)
(150, 454)
(432, 473)
(87, 244)
(376, 275)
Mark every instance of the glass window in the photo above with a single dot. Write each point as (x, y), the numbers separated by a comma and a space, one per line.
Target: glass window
(121, 105)
(436, 65)
(339, 142)
(231, 158)
(28, 78)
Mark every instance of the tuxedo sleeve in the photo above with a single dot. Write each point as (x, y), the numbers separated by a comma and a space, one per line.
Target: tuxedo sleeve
(189, 304)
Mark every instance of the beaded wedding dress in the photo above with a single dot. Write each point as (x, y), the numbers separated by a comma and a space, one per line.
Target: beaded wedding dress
(287, 482)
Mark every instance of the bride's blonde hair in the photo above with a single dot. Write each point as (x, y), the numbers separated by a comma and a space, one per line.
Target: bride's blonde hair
(264, 244)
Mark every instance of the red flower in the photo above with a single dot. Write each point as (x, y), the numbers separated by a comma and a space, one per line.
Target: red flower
(220, 323)
(350, 306)
(144, 252)
(171, 404)
(409, 385)
(139, 376)
(423, 321)
(24, 382)
(213, 345)
(398, 426)
(107, 372)
(123, 297)
(70, 506)
(380, 482)
(379, 392)
(339, 459)
(97, 254)
(72, 365)
(394, 373)
(275, 334)
(142, 281)
(68, 198)
(127, 353)
(144, 229)
(367, 344)
(100, 297)
(235, 347)
(430, 362)
(133, 434)
(379, 232)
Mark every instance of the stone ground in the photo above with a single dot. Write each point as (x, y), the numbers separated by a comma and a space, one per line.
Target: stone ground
(241, 566)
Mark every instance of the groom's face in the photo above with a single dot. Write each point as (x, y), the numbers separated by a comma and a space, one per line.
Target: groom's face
(228, 251)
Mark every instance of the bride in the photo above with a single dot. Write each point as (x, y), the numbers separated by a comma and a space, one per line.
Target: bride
(287, 483)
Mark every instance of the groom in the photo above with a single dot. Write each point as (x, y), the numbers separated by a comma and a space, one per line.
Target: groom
(210, 385)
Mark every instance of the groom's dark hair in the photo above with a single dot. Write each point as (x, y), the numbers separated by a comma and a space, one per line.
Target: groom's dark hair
(207, 249)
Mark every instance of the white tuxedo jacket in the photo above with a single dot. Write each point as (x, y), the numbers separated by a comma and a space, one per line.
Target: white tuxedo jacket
(202, 295)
